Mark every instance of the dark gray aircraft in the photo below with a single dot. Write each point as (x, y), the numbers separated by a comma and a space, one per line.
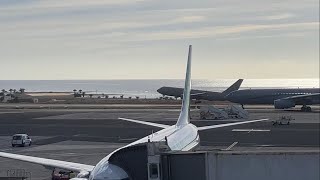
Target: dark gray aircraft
(280, 98)
(200, 94)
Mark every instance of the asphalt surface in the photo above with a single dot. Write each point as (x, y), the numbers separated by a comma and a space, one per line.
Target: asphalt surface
(103, 125)
(73, 151)
(87, 135)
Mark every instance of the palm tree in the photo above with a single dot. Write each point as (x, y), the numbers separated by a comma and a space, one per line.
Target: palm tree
(22, 90)
(2, 94)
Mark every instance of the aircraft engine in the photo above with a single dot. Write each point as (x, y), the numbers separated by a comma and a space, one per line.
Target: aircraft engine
(283, 103)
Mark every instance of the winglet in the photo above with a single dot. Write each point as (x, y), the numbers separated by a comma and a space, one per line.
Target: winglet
(184, 114)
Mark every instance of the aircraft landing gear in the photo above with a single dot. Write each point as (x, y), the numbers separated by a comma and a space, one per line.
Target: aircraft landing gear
(306, 108)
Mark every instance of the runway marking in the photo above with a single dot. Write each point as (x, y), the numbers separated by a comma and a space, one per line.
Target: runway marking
(178, 110)
(251, 130)
(231, 146)
(6, 149)
(220, 120)
(10, 112)
(265, 145)
(71, 117)
(75, 154)
(128, 139)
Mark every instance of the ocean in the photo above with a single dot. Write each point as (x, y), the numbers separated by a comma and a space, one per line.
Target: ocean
(148, 88)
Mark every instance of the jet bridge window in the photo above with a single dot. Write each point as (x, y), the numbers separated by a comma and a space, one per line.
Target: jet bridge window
(153, 170)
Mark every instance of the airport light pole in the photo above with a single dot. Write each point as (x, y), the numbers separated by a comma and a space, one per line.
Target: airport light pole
(145, 96)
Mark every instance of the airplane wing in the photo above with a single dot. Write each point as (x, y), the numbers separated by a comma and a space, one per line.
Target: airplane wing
(76, 167)
(229, 124)
(146, 123)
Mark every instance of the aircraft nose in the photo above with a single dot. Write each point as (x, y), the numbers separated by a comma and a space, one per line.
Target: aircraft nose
(160, 90)
(107, 171)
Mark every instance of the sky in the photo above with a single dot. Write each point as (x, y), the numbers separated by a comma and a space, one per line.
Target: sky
(148, 39)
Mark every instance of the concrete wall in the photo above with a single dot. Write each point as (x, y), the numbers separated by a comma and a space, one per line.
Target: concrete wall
(281, 166)
(185, 167)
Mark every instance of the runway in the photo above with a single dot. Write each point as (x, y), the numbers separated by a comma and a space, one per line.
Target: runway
(87, 135)
(103, 125)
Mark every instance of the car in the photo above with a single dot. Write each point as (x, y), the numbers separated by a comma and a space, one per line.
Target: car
(21, 140)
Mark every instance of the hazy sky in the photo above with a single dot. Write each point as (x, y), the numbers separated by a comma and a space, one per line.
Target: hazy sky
(145, 39)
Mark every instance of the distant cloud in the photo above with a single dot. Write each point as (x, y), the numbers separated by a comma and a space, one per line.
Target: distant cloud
(40, 35)
(57, 7)
(283, 34)
(188, 19)
(221, 31)
(279, 16)
(66, 3)
(66, 28)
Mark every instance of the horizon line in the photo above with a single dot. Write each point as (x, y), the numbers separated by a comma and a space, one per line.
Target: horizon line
(148, 79)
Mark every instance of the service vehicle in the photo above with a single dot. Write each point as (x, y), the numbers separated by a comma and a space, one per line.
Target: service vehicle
(59, 174)
(21, 140)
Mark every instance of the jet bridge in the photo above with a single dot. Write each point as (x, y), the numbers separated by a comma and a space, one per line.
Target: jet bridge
(141, 161)
(155, 161)
(133, 160)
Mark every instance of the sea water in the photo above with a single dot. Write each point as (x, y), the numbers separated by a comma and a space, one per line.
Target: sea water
(148, 88)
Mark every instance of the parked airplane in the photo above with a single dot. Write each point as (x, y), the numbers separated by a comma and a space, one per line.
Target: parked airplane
(280, 98)
(200, 94)
(183, 136)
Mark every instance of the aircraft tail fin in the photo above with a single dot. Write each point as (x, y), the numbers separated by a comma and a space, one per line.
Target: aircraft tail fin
(235, 86)
(185, 109)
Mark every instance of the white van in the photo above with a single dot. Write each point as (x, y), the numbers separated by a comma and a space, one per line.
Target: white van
(21, 140)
